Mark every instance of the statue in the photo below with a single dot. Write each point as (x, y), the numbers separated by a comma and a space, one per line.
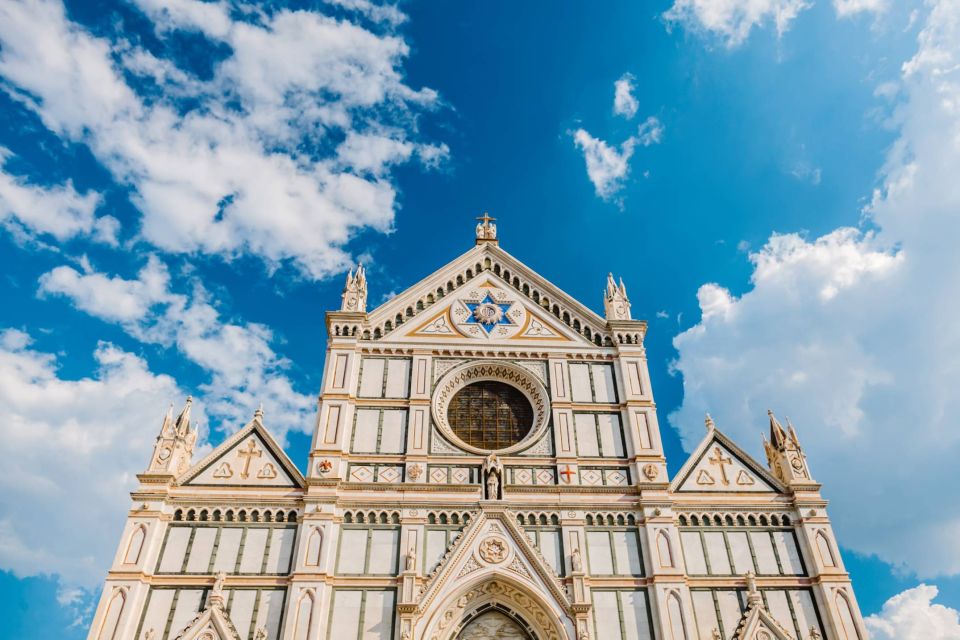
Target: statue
(218, 583)
(493, 486)
(410, 561)
(576, 561)
(493, 469)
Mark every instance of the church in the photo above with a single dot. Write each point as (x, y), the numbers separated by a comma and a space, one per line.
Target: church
(486, 463)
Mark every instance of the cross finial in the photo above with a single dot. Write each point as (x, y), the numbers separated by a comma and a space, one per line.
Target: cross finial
(486, 230)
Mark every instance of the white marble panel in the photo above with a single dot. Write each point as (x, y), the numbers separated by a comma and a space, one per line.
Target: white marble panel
(174, 550)
(253, 548)
(371, 378)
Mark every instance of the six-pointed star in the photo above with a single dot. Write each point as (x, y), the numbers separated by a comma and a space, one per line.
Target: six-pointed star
(488, 324)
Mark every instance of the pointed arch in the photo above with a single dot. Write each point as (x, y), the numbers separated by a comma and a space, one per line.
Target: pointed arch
(135, 544)
(463, 604)
(664, 549)
(825, 549)
(314, 546)
(848, 627)
(677, 624)
(304, 616)
(111, 618)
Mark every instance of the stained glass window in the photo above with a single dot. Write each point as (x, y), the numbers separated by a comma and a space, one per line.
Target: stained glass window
(490, 415)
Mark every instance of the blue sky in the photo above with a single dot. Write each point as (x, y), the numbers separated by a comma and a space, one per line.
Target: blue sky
(184, 184)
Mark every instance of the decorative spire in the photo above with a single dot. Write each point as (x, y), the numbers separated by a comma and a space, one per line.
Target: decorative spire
(174, 447)
(486, 230)
(784, 454)
(354, 296)
(777, 435)
(183, 420)
(258, 414)
(615, 301)
(708, 423)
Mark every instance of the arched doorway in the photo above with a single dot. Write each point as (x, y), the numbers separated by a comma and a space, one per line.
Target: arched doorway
(494, 622)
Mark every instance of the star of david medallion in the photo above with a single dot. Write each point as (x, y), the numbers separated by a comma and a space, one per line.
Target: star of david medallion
(489, 313)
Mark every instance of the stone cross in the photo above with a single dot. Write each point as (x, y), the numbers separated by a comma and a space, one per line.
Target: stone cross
(721, 461)
(251, 452)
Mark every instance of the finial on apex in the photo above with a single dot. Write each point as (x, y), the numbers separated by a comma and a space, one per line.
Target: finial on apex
(258, 414)
(708, 422)
(615, 301)
(486, 230)
(354, 297)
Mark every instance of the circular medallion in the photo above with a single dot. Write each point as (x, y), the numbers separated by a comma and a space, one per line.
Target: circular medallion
(493, 550)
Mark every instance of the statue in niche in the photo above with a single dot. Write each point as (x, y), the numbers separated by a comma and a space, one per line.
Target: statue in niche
(576, 561)
(410, 561)
(493, 472)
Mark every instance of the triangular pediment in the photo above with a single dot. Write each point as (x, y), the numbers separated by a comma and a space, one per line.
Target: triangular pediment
(250, 457)
(437, 307)
(758, 624)
(487, 310)
(211, 624)
(720, 466)
(494, 545)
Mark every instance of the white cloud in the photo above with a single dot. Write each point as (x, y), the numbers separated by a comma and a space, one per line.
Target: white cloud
(732, 20)
(607, 165)
(244, 369)
(250, 166)
(911, 615)
(58, 210)
(846, 8)
(113, 299)
(854, 334)
(624, 102)
(72, 448)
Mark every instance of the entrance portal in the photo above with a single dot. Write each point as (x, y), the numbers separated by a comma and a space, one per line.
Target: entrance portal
(494, 625)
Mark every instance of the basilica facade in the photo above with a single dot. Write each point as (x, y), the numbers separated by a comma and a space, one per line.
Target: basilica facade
(486, 464)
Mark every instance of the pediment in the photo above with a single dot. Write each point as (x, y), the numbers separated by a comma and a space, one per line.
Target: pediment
(211, 624)
(435, 308)
(248, 458)
(491, 546)
(758, 624)
(720, 466)
(487, 310)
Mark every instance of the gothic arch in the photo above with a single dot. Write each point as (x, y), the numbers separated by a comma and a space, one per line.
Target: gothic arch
(826, 550)
(488, 591)
(113, 614)
(664, 549)
(135, 545)
(314, 546)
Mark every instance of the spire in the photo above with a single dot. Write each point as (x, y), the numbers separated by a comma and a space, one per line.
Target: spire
(183, 420)
(708, 423)
(777, 435)
(615, 301)
(784, 454)
(354, 296)
(258, 414)
(486, 230)
(174, 446)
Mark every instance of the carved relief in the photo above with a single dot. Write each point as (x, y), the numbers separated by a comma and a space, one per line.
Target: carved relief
(493, 550)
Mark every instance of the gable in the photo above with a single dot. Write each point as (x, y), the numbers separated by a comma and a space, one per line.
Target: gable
(493, 545)
(421, 308)
(248, 458)
(487, 310)
(719, 466)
